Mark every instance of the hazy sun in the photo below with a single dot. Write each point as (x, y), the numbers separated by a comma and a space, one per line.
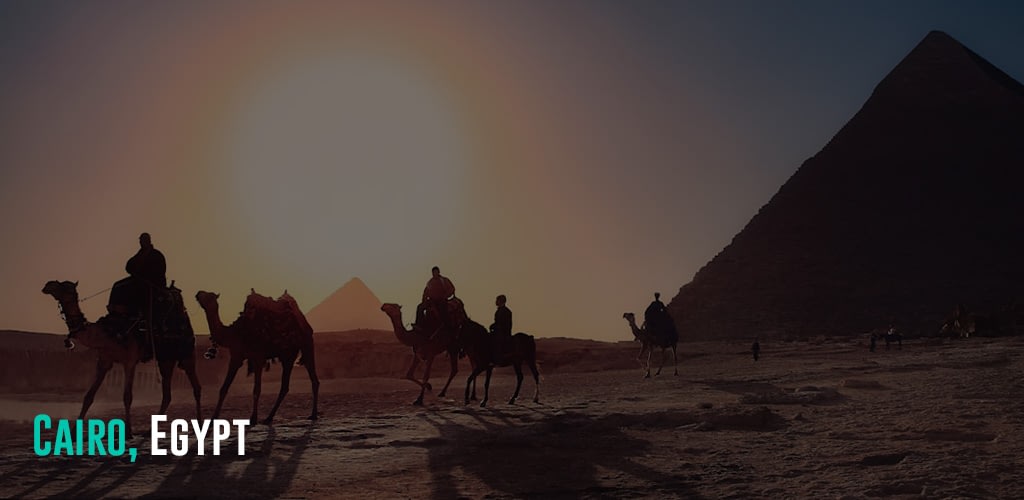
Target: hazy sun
(345, 162)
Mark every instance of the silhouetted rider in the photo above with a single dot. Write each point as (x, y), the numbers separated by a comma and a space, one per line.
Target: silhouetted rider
(656, 312)
(148, 264)
(436, 294)
(502, 317)
(501, 328)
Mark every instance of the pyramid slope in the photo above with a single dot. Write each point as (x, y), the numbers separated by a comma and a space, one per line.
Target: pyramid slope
(352, 306)
(914, 206)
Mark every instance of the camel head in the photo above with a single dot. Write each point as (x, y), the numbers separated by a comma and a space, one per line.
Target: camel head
(392, 310)
(630, 317)
(63, 291)
(66, 294)
(207, 300)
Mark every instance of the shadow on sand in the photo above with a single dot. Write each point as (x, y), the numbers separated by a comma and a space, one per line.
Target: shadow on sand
(548, 454)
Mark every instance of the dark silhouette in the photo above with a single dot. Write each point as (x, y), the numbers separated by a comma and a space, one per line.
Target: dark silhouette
(141, 303)
(649, 339)
(436, 294)
(658, 320)
(874, 341)
(502, 326)
(174, 345)
(266, 329)
(893, 337)
(964, 324)
(428, 338)
(756, 349)
(489, 350)
(148, 264)
(888, 179)
(656, 311)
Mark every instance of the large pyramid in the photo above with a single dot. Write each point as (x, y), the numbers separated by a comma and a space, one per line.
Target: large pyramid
(916, 205)
(351, 307)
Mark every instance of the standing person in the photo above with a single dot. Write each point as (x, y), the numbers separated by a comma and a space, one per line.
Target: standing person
(756, 349)
(502, 326)
(436, 294)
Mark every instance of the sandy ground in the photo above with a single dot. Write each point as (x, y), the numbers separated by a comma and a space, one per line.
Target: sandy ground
(937, 419)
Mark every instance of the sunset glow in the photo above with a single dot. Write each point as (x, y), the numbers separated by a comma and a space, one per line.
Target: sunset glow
(576, 158)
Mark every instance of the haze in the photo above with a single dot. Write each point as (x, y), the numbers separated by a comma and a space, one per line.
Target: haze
(576, 157)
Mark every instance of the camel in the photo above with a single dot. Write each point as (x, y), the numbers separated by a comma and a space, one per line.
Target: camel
(170, 349)
(265, 330)
(426, 344)
(963, 324)
(487, 351)
(648, 341)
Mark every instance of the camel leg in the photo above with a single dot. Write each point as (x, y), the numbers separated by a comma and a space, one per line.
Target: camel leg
(472, 380)
(410, 374)
(309, 360)
(257, 386)
(519, 383)
(455, 369)
(287, 363)
(129, 381)
(189, 366)
(487, 386)
(102, 367)
(233, 365)
(675, 361)
(536, 380)
(166, 374)
(662, 365)
(425, 385)
(650, 352)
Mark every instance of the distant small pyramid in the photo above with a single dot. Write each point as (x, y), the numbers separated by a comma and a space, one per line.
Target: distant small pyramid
(351, 307)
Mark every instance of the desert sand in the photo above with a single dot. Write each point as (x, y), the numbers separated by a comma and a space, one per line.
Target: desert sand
(823, 419)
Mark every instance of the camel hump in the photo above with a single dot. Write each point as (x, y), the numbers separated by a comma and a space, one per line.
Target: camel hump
(280, 315)
(256, 302)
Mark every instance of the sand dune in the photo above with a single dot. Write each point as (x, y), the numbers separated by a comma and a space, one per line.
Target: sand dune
(938, 419)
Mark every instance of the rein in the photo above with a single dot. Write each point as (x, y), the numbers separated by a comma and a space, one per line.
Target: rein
(95, 294)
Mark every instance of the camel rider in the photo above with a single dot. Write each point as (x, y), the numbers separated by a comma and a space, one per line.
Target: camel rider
(436, 294)
(655, 312)
(502, 326)
(147, 269)
(148, 264)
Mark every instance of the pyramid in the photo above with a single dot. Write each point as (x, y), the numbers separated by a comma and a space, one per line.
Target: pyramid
(351, 307)
(914, 206)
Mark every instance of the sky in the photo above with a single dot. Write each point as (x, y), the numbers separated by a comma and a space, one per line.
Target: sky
(575, 156)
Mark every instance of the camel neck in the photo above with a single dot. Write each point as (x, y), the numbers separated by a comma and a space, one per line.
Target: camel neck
(73, 317)
(401, 333)
(216, 325)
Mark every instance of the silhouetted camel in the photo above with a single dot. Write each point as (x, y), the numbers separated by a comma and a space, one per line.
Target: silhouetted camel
(964, 324)
(891, 338)
(487, 351)
(266, 329)
(648, 341)
(426, 344)
(172, 348)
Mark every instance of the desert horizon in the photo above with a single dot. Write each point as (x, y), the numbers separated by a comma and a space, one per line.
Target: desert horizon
(808, 419)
